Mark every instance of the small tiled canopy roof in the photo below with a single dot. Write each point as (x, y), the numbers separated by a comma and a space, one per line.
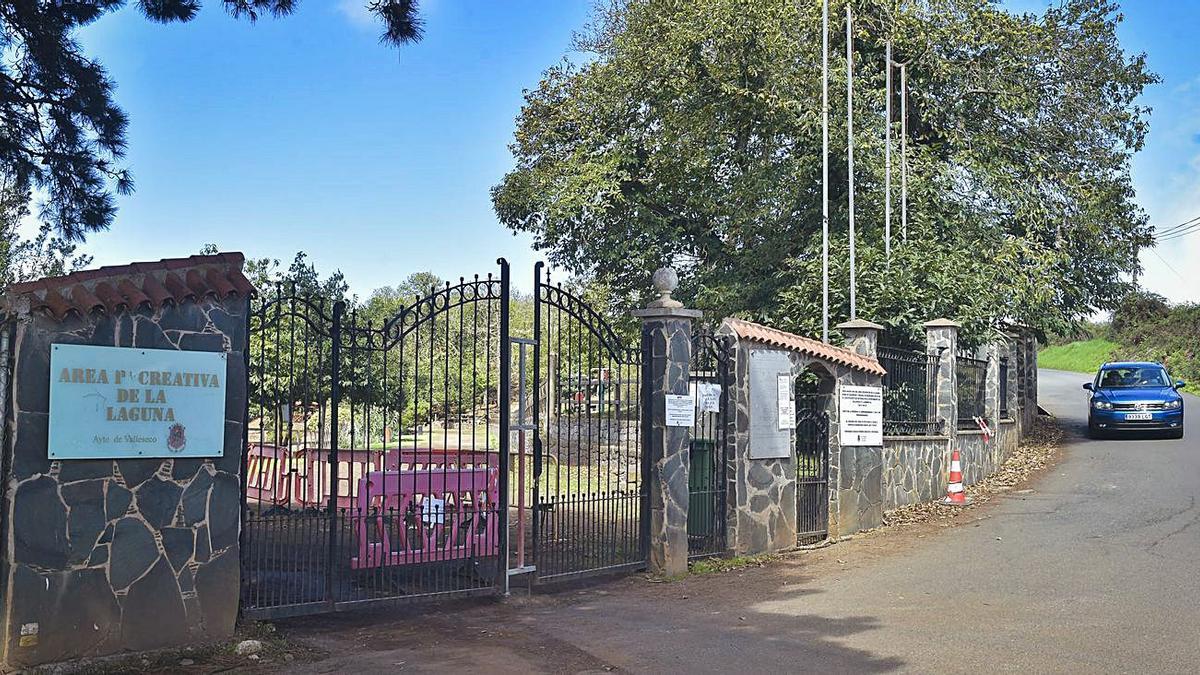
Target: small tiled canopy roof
(144, 284)
(748, 330)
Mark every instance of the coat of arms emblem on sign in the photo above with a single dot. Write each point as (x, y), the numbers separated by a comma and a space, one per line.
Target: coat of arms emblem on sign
(176, 437)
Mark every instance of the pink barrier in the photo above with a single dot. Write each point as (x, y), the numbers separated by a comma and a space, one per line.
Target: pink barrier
(425, 515)
(302, 478)
(270, 475)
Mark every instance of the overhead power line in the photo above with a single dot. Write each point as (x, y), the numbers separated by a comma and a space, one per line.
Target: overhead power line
(1169, 265)
(1183, 224)
(1177, 234)
(1185, 227)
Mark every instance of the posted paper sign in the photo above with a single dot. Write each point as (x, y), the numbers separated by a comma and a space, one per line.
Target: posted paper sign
(787, 403)
(681, 410)
(709, 395)
(119, 402)
(861, 415)
(433, 511)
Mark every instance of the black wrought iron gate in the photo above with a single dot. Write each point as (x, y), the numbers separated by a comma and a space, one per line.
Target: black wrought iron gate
(711, 386)
(376, 457)
(377, 454)
(812, 468)
(587, 489)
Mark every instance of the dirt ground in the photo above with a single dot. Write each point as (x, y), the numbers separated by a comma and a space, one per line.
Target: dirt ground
(580, 628)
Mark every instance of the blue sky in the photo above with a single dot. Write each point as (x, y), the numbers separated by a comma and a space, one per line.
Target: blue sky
(305, 133)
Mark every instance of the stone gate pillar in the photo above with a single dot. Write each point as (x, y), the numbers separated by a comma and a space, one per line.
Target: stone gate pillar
(941, 340)
(667, 355)
(992, 386)
(109, 551)
(862, 336)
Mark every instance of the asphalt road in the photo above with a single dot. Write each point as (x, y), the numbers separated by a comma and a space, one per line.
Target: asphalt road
(1096, 570)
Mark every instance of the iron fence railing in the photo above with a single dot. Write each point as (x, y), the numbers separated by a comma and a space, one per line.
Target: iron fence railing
(1004, 387)
(712, 387)
(972, 390)
(908, 398)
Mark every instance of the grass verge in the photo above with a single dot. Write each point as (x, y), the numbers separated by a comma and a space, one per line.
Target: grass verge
(1080, 357)
(720, 565)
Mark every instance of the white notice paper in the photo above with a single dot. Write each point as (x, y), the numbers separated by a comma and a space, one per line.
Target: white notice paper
(861, 418)
(681, 410)
(433, 511)
(787, 404)
(709, 394)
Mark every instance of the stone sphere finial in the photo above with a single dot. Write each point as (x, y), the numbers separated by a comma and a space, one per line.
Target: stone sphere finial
(665, 282)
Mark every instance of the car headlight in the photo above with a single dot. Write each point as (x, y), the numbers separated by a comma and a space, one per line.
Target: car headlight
(1173, 405)
(1101, 405)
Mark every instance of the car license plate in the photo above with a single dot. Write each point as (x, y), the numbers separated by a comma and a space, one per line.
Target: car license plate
(1138, 417)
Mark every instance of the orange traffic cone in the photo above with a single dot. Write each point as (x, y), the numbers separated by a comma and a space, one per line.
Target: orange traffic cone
(954, 492)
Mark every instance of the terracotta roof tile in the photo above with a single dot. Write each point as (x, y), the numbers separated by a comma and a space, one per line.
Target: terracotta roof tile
(138, 284)
(132, 293)
(84, 299)
(175, 286)
(154, 288)
(748, 330)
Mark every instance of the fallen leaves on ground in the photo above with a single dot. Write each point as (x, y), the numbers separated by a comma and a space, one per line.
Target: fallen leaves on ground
(1031, 455)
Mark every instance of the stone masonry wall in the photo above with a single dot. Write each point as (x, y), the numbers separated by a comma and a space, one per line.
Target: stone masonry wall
(855, 472)
(107, 555)
(761, 504)
(761, 508)
(914, 470)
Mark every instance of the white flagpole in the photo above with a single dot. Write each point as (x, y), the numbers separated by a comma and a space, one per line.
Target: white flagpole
(825, 170)
(887, 161)
(850, 152)
(904, 152)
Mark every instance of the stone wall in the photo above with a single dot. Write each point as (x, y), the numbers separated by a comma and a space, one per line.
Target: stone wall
(761, 504)
(980, 457)
(102, 556)
(914, 470)
(866, 481)
(855, 472)
(761, 501)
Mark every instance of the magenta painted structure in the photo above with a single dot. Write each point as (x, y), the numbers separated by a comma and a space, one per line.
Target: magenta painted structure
(301, 479)
(418, 530)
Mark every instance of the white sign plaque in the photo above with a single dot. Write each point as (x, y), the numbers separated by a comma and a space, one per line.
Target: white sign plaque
(787, 404)
(108, 402)
(860, 415)
(681, 410)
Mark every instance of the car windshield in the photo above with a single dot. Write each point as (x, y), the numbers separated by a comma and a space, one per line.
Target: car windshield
(1150, 376)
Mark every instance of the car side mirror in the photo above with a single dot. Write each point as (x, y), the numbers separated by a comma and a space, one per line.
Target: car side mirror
(1088, 386)
(1180, 384)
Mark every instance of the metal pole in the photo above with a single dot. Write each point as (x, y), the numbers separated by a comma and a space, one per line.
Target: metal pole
(887, 161)
(850, 152)
(904, 152)
(335, 400)
(505, 422)
(521, 460)
(552, 375)
(825, 171)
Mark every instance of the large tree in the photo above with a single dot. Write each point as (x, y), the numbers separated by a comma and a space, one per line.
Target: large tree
(22, 258)
(60, 130)
(691, 134)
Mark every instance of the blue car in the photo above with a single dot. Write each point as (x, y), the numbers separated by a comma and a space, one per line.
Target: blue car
(1134, 396)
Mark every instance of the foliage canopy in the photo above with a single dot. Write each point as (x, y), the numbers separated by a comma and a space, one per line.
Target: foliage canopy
(691, 134)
